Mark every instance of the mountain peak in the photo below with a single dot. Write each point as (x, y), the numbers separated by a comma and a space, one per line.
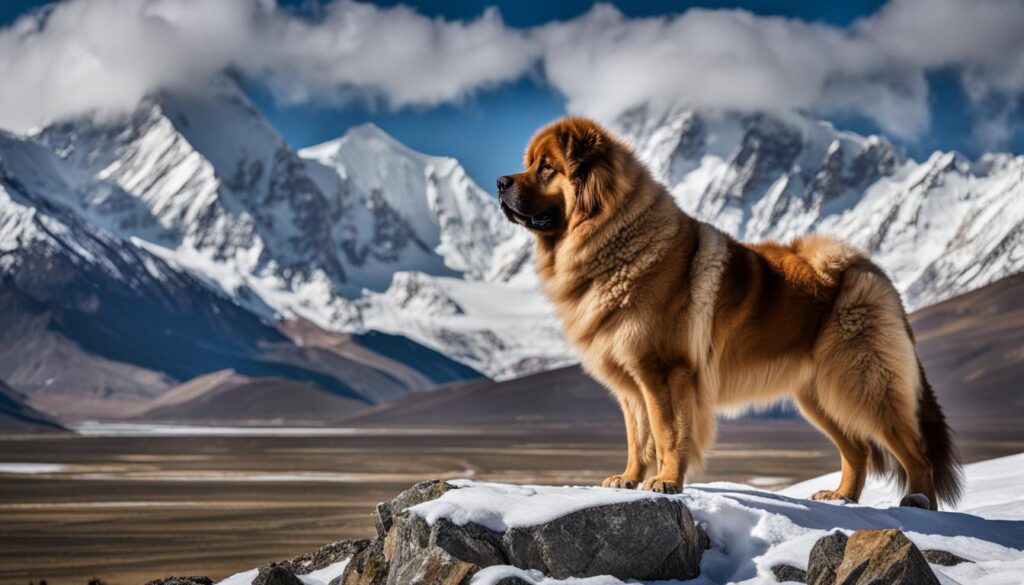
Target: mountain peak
(366, 137)
(368, 130)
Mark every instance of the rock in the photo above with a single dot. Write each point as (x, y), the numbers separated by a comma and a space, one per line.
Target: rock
(916, 501)
(367, 567)
(883, 557)
(943, 558)
(325, 556)
(415, 556)
(788, 573)
(275, 574)
(424, 491)
(825, 558)
(182, 581)
(651, 539)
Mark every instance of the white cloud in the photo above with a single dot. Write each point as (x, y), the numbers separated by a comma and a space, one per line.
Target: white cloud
(605, 62)
(103, 55)
(396, 54)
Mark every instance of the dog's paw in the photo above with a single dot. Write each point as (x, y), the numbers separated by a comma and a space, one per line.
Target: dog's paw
(831, 495)
(621, 482)
(661, 486)
(916, 501)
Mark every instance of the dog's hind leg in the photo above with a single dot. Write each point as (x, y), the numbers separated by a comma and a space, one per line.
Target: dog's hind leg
(853, 452)
(901, 437)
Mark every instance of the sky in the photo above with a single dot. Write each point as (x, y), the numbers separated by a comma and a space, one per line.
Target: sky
(474, 80)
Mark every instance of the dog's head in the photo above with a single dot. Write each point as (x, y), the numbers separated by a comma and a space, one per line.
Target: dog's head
(572, 171)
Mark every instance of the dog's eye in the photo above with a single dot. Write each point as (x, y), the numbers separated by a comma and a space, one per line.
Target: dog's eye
(545, 168)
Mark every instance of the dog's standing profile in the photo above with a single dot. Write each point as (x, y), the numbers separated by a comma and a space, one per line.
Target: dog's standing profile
(679, 320)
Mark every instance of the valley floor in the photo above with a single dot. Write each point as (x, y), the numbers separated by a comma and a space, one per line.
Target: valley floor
(128, 504)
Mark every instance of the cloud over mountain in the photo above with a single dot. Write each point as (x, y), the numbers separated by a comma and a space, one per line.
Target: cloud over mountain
(80, 56)
(103, 55)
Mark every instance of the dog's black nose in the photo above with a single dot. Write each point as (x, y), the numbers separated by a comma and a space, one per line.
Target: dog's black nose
(504, 183)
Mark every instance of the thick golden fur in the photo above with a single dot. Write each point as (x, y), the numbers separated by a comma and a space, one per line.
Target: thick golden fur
(679, 321)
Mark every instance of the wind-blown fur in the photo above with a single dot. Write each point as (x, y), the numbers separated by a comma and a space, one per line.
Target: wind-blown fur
(679, 321)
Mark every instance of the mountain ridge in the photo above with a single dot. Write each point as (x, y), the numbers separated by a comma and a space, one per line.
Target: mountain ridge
(362, 233)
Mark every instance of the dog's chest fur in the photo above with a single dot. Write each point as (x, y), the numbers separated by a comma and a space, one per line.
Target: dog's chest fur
(616, 293)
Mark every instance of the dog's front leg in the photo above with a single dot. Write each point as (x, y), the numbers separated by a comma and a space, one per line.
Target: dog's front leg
(670, 394)
(637, 440)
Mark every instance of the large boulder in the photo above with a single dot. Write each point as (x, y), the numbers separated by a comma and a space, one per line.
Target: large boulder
(883, 557)
(646, 538)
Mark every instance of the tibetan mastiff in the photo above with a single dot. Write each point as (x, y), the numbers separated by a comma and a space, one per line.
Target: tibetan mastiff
(681, 321)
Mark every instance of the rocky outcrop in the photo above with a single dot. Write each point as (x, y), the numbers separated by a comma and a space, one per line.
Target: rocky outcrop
(868, 557)
(652, 539)
(883, 556)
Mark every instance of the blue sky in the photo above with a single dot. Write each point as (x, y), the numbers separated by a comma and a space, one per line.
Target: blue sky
(487, 127)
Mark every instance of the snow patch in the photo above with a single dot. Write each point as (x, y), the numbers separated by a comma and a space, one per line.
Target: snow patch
(752, 530)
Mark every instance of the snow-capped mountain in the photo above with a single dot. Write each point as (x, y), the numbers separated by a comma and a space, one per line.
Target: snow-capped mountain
(77, 294)
(203, 179)
(205, 182)
(940, 228)
(95, 320)
(362, 233)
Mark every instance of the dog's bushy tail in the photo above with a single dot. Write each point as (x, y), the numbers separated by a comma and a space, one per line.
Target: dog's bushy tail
(947, 473)
(937, 439)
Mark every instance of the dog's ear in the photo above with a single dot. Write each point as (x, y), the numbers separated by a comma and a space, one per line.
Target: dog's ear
(586, 148)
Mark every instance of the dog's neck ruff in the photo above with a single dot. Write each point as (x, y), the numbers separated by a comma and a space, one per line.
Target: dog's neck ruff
(614, 256)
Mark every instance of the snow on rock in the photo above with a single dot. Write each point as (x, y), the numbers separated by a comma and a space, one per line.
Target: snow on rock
(749, 530)
(752, 530)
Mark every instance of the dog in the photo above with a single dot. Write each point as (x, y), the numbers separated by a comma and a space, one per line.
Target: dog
(680, 321)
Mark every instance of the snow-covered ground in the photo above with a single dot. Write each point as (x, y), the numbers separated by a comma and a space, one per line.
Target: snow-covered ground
(752, 530)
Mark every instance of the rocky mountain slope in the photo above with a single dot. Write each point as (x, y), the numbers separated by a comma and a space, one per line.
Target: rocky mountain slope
(95, 322)
(16, 416)
(228, 397)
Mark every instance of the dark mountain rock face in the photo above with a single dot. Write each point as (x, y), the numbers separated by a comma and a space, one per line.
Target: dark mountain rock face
(16, 416)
